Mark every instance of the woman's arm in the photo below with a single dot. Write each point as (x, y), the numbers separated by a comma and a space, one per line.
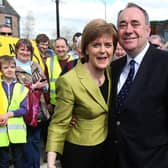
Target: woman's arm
(51, 158)
(59, 125)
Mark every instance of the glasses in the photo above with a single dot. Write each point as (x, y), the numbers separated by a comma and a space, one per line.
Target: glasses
(5, 33)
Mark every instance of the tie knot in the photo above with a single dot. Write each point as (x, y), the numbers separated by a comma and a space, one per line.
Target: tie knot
(132, 62)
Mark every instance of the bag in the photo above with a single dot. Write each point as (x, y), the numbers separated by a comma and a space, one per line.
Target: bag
(31, 117)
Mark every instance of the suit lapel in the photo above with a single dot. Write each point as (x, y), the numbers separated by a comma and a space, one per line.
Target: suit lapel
(90, 85)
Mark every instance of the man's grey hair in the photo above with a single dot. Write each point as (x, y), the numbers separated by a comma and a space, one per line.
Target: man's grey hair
(133, 5)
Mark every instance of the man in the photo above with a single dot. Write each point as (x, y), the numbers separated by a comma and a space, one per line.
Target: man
(157, 40)
(138, 126)
(58, 64)
(42, 41)
(74, 51)
(5, 30)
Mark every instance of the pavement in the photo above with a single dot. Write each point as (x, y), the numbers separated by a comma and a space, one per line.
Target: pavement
(44, 165)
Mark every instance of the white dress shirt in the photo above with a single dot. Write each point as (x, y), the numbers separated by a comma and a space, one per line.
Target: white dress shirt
(138, 59)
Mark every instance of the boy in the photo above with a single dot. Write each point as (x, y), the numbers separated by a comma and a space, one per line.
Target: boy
(12, 125)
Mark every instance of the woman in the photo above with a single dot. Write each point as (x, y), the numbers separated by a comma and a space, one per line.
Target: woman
(30, 74)
(84, 93)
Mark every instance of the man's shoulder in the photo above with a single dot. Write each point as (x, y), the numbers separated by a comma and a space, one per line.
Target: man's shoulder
(118, 61)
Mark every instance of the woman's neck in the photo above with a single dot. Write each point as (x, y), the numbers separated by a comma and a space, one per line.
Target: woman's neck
(97, 74)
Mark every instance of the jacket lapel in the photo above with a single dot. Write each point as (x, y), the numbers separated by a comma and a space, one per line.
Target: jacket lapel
(90, 85)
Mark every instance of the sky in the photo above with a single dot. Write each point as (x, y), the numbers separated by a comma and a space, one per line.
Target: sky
(75, 14)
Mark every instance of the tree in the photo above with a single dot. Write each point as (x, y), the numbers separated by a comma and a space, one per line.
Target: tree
(65, 32)
(28, 26)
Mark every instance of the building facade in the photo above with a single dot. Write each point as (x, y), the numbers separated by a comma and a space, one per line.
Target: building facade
(9, 16)
(161, 28)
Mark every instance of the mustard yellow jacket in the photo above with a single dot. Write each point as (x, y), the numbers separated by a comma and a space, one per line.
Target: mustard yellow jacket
(79, 96)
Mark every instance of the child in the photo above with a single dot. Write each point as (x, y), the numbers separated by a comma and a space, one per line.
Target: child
(12, 125)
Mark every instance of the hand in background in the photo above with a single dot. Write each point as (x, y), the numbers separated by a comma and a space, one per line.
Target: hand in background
(40, 84)
(73, 121)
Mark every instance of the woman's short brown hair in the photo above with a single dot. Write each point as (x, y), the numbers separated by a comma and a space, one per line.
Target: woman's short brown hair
(24, 42)
(95, 29)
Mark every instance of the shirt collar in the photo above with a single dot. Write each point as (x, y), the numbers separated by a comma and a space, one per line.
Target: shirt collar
(12, 81)
(138, 58)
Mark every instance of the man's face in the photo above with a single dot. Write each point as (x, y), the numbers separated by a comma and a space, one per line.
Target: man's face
(5, 31)
(157, 43)
(133, 32)
(61, 48)
(43, 46)
(75, 41)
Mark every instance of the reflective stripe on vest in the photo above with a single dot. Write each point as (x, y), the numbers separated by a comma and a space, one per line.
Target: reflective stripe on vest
(3, 129)
(15, 131)
(15, 126)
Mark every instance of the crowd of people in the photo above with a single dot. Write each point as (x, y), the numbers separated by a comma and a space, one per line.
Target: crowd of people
(98, 105)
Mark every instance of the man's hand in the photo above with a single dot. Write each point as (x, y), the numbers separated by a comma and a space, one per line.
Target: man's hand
(73, 121)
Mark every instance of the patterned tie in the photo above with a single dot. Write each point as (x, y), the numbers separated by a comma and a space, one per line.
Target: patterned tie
(125, 88)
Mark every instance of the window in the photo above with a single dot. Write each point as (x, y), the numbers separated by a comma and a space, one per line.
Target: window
(8, 21)
(1, 3)
(166, 35)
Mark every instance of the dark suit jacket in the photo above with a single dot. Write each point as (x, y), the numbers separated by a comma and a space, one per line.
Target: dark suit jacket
(138, 136)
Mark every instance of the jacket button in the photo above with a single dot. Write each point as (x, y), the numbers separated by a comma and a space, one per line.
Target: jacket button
(118, 123)
(115, 141)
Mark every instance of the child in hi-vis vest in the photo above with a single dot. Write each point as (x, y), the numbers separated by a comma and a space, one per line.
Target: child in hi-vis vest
(12, 125)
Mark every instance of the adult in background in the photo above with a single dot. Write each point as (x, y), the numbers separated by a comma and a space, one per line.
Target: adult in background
(74, 51)
(157, 40)
(31, 75)
(138, 129)
(5, 30)
(84, 92)
(42, 41)
(119, 52)
(60, 62)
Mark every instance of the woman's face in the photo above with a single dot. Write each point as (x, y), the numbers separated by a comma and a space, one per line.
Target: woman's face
(100, 52)
(23, 54)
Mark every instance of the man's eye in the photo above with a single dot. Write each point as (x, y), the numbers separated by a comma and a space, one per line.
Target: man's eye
(122, 25)
(135, 24)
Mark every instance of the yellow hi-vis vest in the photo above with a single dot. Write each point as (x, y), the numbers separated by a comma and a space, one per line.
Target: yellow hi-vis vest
(2, 97)
(15, 130)
(54, 71)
